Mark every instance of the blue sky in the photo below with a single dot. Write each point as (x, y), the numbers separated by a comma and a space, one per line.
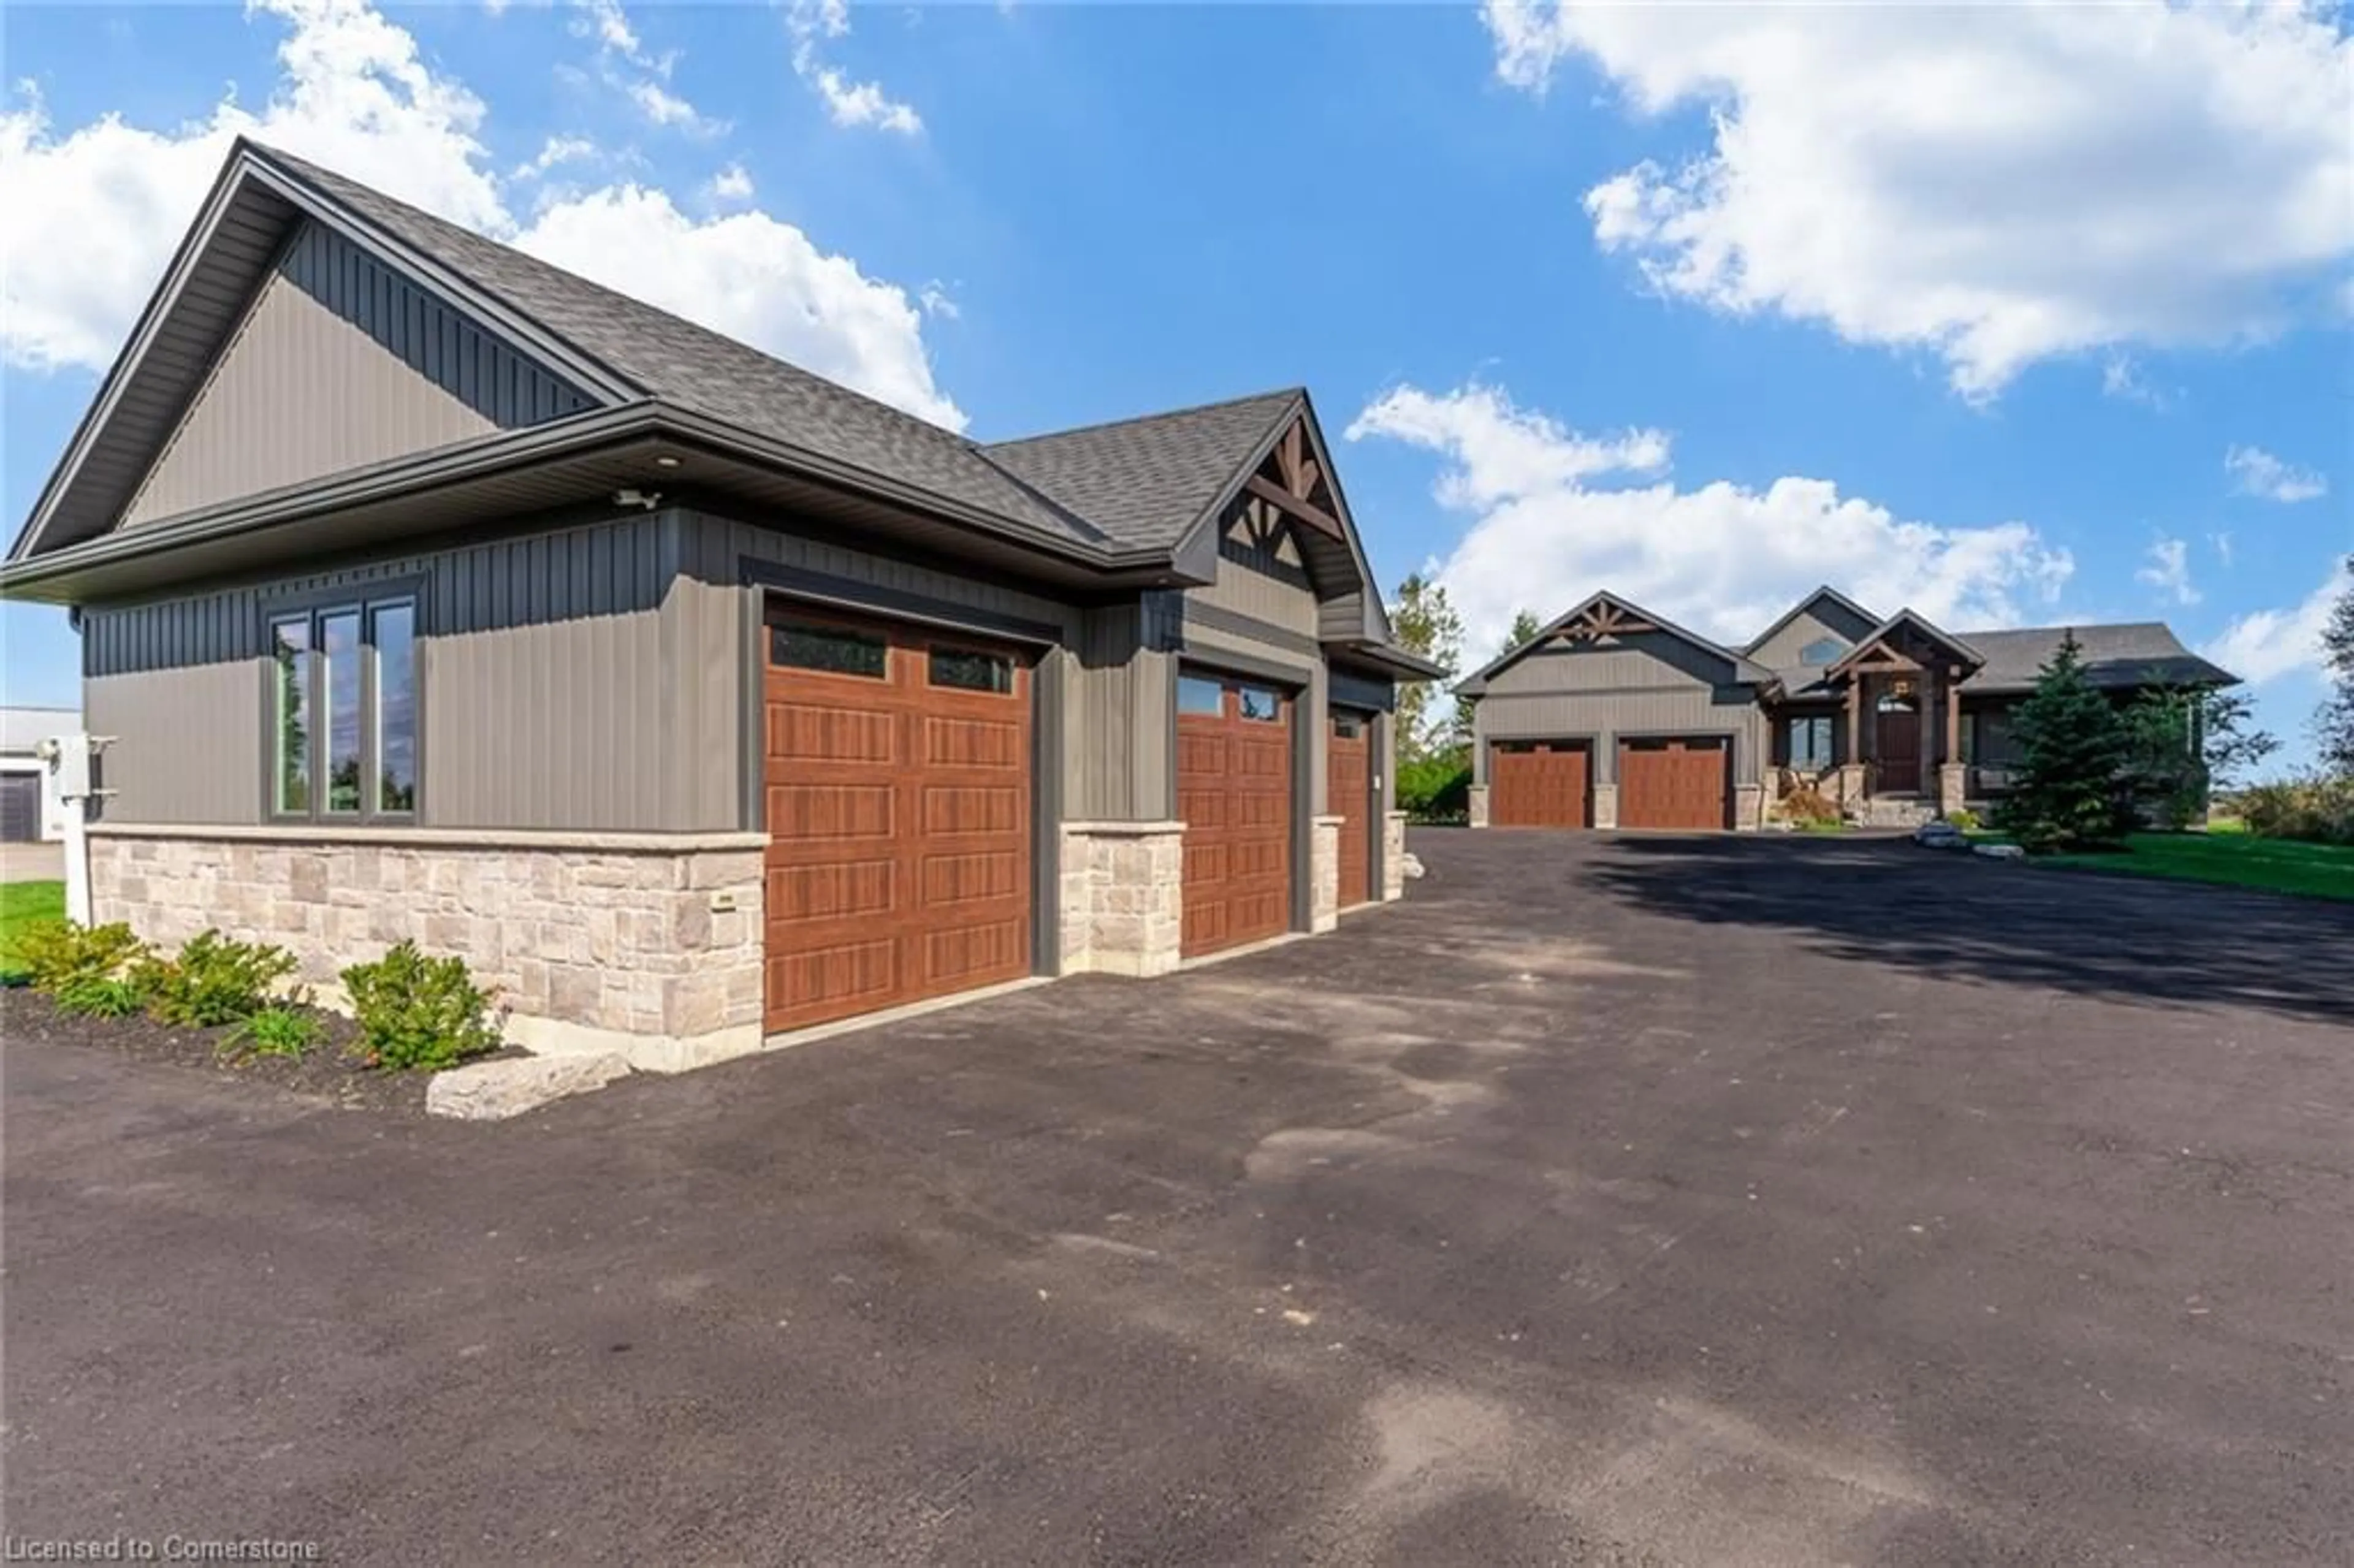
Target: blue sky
(2022, 316)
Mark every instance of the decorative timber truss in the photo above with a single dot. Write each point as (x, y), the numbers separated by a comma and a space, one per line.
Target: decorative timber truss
(1603, 620)
(1293, 483)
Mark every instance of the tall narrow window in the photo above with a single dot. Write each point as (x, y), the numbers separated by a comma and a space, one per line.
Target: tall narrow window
(343, 702)
(396, 707)
(290, 675)
(339, 643)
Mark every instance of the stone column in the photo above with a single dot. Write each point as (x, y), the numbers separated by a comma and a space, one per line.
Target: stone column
(1606, 805)
(1123, 897)
(1953, 787)
(1478, 805)
(1849, 779)
(1324, 873)
(1748, 807)
(1393, 856)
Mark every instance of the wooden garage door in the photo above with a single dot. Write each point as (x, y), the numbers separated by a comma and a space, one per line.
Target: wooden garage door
(898, 798)
(1234, 795)
(1347, 786)
(1685, 782)
(1538, 783)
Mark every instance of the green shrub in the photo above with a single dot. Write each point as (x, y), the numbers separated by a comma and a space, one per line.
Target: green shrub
(1964, 818)
(214, 981)
(1436, 789)
(420, 1013)
(95, 997)
(272, 1031)
(59, 955)
(2318, 810)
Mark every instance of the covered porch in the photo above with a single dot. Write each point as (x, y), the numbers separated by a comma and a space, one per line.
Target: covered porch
(1886, 722)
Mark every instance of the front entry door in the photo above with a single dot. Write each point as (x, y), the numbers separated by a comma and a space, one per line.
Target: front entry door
(1899, 746)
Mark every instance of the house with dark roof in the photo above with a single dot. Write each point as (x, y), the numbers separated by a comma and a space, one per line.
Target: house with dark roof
(430, 591)
(1615, 717)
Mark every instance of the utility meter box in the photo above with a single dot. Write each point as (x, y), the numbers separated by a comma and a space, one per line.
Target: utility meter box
(69, 757)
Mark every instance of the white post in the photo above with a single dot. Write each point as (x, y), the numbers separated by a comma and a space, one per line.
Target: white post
(69, 758)
(77, 862)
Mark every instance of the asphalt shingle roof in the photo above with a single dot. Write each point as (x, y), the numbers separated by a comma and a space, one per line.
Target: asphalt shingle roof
(2131, 653)
(707, 372)
(1146, 481)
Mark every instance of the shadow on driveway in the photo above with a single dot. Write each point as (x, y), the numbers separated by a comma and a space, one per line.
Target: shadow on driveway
(1888, 901)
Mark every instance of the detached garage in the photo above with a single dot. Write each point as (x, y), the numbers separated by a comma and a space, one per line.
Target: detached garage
(1613, 718)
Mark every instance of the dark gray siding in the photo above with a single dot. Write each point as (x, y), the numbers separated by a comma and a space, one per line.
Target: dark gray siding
(541, 675)
(1119, 687)
(339, 363)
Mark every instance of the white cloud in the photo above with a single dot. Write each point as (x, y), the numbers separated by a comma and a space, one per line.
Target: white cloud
(731, 183)
(2122, 377)
(2221, 542)
(753, 278)
(815, 23)
(936, 302)
(2256, 472)
(354, 95)
(1996, 185)
(2268, 645)
(639, 75)
(2168, 570)
(556, 151)
(1722, 558)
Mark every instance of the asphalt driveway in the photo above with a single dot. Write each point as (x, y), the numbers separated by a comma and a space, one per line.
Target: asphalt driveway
(1636, 1201)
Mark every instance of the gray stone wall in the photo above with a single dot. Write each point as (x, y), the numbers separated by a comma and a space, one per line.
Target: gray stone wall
(1123, 905)
(655, 951)
(1393, 856)
(1324, 873)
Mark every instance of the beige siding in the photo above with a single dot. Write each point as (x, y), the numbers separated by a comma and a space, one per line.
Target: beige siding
(1246, 591)
(339, 363)
(1780, 651)
(187, 742)
(1643, 662)
(300, 393)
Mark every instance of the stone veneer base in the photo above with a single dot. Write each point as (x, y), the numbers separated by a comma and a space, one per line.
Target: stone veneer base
(1324, 872)
(645, 944)
(1476, 806)
(1393, 856)
(1123, 897)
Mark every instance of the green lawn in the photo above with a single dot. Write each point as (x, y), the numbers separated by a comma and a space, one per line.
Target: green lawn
(2237, 859)
(21, 901)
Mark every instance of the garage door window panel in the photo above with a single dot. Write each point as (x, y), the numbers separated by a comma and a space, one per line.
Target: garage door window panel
(829, 649)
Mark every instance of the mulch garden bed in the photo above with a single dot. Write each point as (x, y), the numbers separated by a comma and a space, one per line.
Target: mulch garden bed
(329, 1071)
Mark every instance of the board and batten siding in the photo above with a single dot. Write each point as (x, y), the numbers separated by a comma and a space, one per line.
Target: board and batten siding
(1650, 684)
(540, 676)
(1101, 700)
(338, 364)
(1118, 723)
(1780, 651)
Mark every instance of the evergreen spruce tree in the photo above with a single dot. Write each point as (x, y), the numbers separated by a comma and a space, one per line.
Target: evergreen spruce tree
(2073, 745)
